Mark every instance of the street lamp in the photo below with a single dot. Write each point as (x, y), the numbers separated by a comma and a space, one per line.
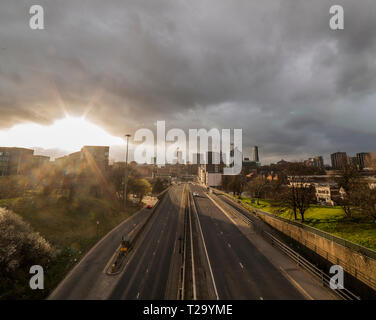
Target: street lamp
(126, 172)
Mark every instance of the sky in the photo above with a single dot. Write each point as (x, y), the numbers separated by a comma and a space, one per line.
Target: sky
(273, 68)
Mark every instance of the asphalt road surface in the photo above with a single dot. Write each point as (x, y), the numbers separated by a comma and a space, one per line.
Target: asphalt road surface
(146, 274)
(240, 270)
(227, 264)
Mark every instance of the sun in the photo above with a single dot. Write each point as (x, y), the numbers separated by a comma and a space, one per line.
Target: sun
(68, 134)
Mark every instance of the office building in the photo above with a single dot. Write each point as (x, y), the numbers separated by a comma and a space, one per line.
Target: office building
(15, 161)
(339, 160)
(255, 154)
(363, 159)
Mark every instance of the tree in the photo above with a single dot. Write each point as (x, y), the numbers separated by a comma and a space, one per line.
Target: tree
(238, 184)
(234, 183)
(12, 186)
(305, 196)
(226, 183)
(285, 199)
(256, 186)
(159, 185)
(349, 181)
(139, 187)
(366, 199)
(298, 195)
(116, 178)
(69, 185)
(20, 247)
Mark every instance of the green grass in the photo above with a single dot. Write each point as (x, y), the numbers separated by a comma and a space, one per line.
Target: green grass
(263, 204)
(70, 228)
(360, 229)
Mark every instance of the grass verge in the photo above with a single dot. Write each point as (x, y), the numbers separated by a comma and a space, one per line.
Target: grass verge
(70, 227)
(360, 229)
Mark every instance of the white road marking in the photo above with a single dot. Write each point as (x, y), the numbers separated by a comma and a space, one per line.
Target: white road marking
(206, 252)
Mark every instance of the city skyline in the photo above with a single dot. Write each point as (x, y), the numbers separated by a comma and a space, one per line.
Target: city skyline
(286, 79)
(105, 108)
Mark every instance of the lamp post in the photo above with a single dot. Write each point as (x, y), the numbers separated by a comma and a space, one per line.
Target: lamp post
(126, 172)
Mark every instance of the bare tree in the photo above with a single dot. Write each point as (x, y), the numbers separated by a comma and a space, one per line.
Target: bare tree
(305, 196)
(349, 181)
(366, 197)
(256, 186)
(298, 195)
(235, 184)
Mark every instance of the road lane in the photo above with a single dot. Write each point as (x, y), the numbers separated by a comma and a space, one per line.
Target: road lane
(146, 274)
(85, 279)
(240, 270)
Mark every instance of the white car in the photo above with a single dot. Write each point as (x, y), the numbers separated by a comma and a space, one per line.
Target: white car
(195, 194)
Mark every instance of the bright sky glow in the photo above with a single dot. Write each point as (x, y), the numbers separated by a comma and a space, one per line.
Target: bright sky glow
(69, 134)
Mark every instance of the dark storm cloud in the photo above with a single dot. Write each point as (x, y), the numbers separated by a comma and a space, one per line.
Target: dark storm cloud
(273, 68)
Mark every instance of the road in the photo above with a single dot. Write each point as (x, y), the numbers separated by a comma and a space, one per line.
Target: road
(189, 248)
(146, 274)
(240, 270)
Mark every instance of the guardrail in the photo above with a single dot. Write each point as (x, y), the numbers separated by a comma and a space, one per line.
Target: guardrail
(349, 268)
(312, 269)
(117, 261)
(345, 243)
(299, 259)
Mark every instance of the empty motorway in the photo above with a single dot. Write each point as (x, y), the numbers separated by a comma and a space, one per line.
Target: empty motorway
(189, 248)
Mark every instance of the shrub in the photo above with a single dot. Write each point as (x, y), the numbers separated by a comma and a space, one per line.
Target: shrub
(20, 247)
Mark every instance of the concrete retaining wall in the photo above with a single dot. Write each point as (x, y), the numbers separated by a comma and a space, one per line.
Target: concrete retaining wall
(359, 265)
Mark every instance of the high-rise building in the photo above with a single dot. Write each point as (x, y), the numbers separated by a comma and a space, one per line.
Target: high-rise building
(319, 161)
(363, 159)
(339, 160)
(255, 154)
(15, 161)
